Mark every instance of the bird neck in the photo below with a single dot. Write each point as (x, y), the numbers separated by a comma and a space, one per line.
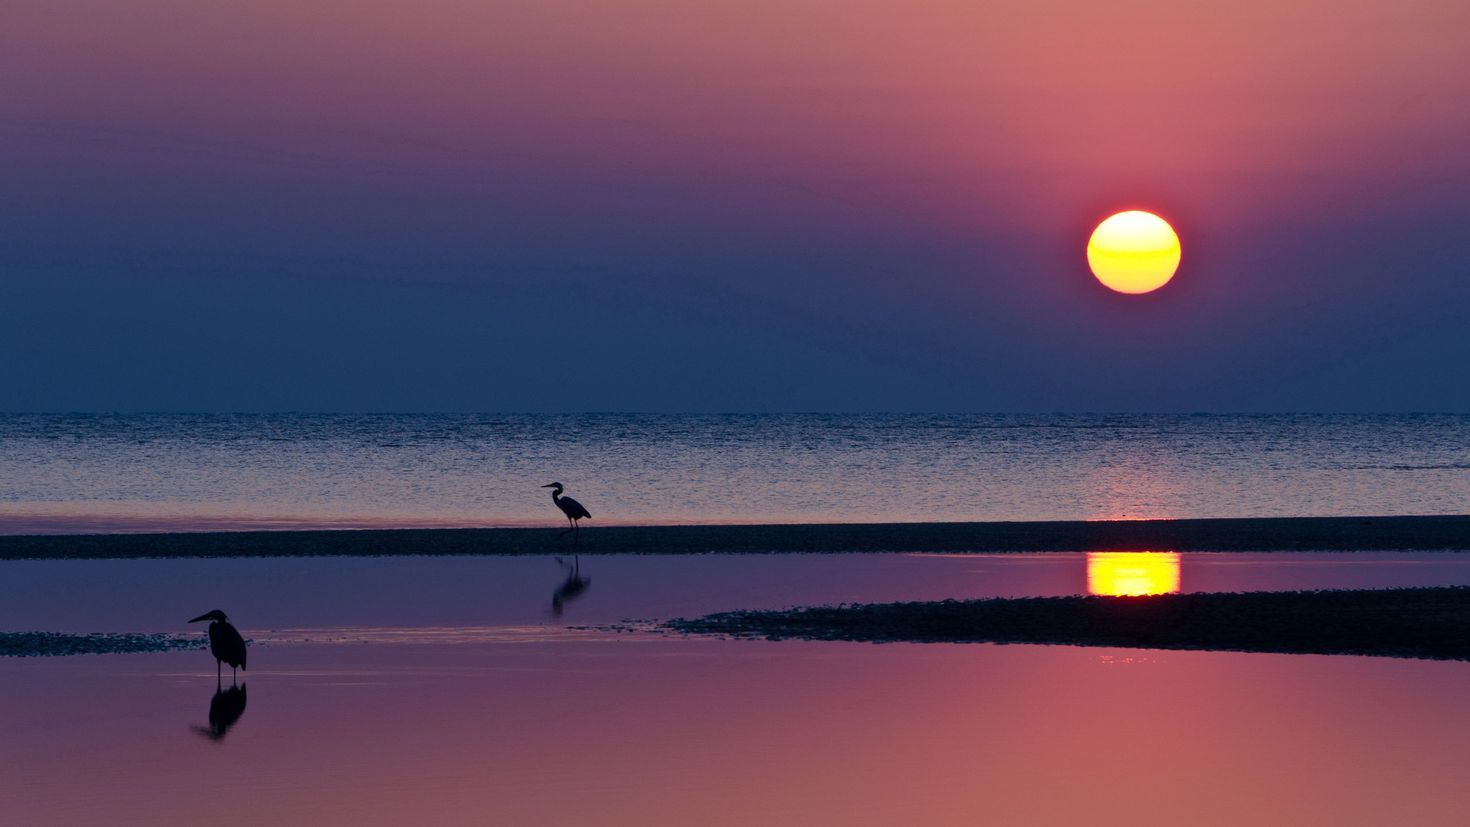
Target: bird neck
(556, 495)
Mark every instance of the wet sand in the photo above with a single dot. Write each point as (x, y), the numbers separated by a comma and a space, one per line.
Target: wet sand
(1419, 533)
(52, 644)
(1414, 623)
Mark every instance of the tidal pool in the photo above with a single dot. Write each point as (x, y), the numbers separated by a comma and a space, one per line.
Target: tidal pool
(418, 690)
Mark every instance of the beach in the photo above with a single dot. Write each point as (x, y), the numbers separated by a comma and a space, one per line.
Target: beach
(1397, 533)
(1431, 623)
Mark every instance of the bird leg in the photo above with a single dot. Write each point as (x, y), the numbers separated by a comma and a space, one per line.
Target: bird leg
(571, 528)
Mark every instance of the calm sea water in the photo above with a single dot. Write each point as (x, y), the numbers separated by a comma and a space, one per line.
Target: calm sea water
(84, 473)
(453, 691)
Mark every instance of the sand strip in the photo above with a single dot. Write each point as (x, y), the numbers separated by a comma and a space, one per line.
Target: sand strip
(1415, 623)
(1430, 533)
(49, 644)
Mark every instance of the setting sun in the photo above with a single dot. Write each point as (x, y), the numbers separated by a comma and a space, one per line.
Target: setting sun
(1133, 252)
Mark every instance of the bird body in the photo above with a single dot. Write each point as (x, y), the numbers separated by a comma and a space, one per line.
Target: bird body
(571, 508)
(225, 641)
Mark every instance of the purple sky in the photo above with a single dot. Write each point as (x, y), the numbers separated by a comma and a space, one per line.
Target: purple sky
(728, 206)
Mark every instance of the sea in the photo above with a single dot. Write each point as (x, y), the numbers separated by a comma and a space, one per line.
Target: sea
(541, 689)
(71, 473)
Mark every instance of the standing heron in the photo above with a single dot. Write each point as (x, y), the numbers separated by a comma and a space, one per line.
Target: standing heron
(225, 642)
(569, 507)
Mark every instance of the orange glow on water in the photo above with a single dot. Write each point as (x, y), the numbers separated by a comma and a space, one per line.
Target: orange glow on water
(1132, 573)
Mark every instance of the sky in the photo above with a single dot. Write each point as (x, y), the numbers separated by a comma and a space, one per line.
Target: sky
(763, 205)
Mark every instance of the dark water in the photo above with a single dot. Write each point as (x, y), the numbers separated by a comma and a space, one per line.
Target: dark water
(270, 596)
(60, 473)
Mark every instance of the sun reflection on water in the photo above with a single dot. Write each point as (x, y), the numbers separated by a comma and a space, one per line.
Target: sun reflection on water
(1132, 573)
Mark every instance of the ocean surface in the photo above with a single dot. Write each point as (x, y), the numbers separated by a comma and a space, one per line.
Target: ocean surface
(70, 473)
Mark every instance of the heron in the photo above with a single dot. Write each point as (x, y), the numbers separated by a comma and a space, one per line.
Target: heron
(225, 643)
(569, 507)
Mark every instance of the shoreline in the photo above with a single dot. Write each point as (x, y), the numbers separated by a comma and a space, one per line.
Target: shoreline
(1411, 533)
(1429, 623)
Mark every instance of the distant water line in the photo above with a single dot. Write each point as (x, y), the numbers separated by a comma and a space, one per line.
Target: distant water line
(201, 472)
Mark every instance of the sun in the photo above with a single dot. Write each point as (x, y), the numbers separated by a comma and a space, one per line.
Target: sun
(1133, 252)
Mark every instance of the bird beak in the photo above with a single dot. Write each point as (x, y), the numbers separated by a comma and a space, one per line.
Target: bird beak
(199, 618)
(552, 485)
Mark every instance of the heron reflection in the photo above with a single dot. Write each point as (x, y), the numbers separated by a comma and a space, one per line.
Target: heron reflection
(225, 708)
(570, 588)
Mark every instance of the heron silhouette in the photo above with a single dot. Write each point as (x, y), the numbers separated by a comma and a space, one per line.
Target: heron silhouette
(569, 507)
(225, 642)
(225, 708)
(572, 587)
